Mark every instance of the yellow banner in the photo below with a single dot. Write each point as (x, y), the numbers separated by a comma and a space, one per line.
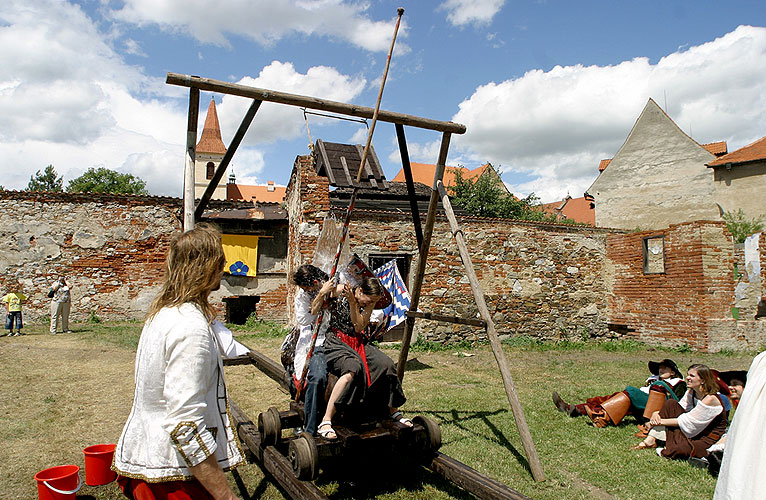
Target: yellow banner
(241, 253)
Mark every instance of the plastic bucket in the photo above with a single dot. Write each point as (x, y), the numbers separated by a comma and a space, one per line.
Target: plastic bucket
(58, 483)
(98, 459)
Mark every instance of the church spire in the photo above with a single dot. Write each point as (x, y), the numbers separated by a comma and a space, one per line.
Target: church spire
(211, 142)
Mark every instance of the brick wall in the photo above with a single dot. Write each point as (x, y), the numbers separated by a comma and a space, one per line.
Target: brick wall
(543, 280)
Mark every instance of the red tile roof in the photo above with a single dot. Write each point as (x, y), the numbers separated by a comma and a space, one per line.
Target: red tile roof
(577, 209)
(263, 194)
(752, 152)
(603, 164)
(717, 148)
(211, 142)
(424, 173)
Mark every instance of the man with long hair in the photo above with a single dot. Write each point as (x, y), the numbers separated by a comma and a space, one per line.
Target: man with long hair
(178, 440)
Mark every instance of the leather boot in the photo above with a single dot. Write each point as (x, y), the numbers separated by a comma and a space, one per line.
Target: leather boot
(617, 407)
(565, 407)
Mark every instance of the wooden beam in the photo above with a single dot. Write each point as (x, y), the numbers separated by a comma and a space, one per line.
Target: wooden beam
(424, 248)
(494, 340)
(471, 480)
(448, 319)
(311, 103)
(241, 131)
(191, 155)
(410, 183)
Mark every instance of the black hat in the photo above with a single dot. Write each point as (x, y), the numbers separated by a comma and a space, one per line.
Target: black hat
(654, 367)
(733, 375)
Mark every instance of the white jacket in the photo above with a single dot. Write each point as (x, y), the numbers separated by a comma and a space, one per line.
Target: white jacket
(180, 410)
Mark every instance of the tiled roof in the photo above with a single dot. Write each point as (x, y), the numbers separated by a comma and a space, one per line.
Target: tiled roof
(717, 148)
(577, 209)
(752, 152)
(262, 194)
(211, 142)
(603, 164)
(424, 173)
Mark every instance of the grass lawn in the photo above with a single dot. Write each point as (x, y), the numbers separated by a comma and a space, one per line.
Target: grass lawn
(62, 393)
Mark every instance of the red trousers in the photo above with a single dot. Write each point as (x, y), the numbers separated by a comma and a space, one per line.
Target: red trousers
(137, 489)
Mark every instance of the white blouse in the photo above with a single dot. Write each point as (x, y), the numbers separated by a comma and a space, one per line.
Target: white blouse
(698, 415)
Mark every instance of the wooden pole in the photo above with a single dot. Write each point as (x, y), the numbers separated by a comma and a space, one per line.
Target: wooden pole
(311, 102)
(191, 155)
(410, 184)
(409, 324)
(494, 341)
(236, 140)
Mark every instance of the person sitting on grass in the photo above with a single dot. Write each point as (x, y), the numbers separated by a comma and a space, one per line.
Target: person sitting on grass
(367, 377)
(690, 426)
(604, 410)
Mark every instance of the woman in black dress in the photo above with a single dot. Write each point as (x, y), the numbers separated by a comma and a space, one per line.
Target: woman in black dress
(367, 378)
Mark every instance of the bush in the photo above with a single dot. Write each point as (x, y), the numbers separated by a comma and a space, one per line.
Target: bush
(740, 227)
(93, 318)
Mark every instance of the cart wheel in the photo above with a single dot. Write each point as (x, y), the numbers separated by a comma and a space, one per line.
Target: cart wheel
(304, 457)
(433, 432)
(270, 427)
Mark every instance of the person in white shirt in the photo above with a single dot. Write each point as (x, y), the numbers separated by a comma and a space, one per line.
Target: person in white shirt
(178, 437)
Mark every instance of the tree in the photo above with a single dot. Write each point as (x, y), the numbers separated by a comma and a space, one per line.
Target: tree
(46, 181)
(103, 180)
(485, 196)
(740, 227)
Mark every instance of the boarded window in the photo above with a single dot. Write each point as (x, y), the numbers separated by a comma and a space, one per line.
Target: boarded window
(654, 255)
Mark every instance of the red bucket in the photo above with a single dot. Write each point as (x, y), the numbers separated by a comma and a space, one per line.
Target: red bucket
(58, 483)
(98, 460)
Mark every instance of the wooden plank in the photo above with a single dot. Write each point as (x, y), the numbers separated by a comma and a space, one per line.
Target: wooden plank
(410, 183)
(494, 340)
(191, 155)
(471, 480)
(346, 172)
(448, 319)
(236, 140)
(376, 163)
(423, 253)
(237, 360)
(311, 102)
(325, 160)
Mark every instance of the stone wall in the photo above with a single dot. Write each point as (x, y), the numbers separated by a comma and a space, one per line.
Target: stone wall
(111, 248)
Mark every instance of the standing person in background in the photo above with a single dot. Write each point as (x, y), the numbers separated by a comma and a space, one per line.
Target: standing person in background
(61, 303)
(178, 439)
(14, 300)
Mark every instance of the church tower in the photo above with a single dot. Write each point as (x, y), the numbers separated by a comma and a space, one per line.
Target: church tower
(210, 152)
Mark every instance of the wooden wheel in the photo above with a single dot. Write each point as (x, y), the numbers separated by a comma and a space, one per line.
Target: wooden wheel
(270, 427)
(304, 457)
(433, 432)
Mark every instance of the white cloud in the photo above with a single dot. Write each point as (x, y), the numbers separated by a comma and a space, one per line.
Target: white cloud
(248, 164)
(478, 12)
(265, 21)
(278, 121)
(555, 126)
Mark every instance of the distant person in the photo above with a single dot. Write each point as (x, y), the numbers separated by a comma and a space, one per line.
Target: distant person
(61, 304)
(743, 469)
(13, 301)
(178, 439)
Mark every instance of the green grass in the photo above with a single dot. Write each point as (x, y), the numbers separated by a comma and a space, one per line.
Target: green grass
(61, 386)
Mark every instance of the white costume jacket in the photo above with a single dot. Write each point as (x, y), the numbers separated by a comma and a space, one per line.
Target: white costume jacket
(180, 410)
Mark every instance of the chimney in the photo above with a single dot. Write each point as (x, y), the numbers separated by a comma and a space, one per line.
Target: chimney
(270, 188)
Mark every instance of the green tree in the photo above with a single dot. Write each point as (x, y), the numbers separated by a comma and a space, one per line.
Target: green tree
(485, 196)
(103, 180)
(46, 181)
(741, 227)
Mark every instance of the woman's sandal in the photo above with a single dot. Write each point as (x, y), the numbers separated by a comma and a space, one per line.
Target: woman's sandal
(643, 445)
(325, 429)
(398, 417)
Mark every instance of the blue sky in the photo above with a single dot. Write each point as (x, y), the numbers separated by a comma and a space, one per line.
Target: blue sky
(546, 88)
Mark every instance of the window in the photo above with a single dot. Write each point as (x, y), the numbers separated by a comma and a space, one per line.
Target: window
(210, 170)
(654, 255)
